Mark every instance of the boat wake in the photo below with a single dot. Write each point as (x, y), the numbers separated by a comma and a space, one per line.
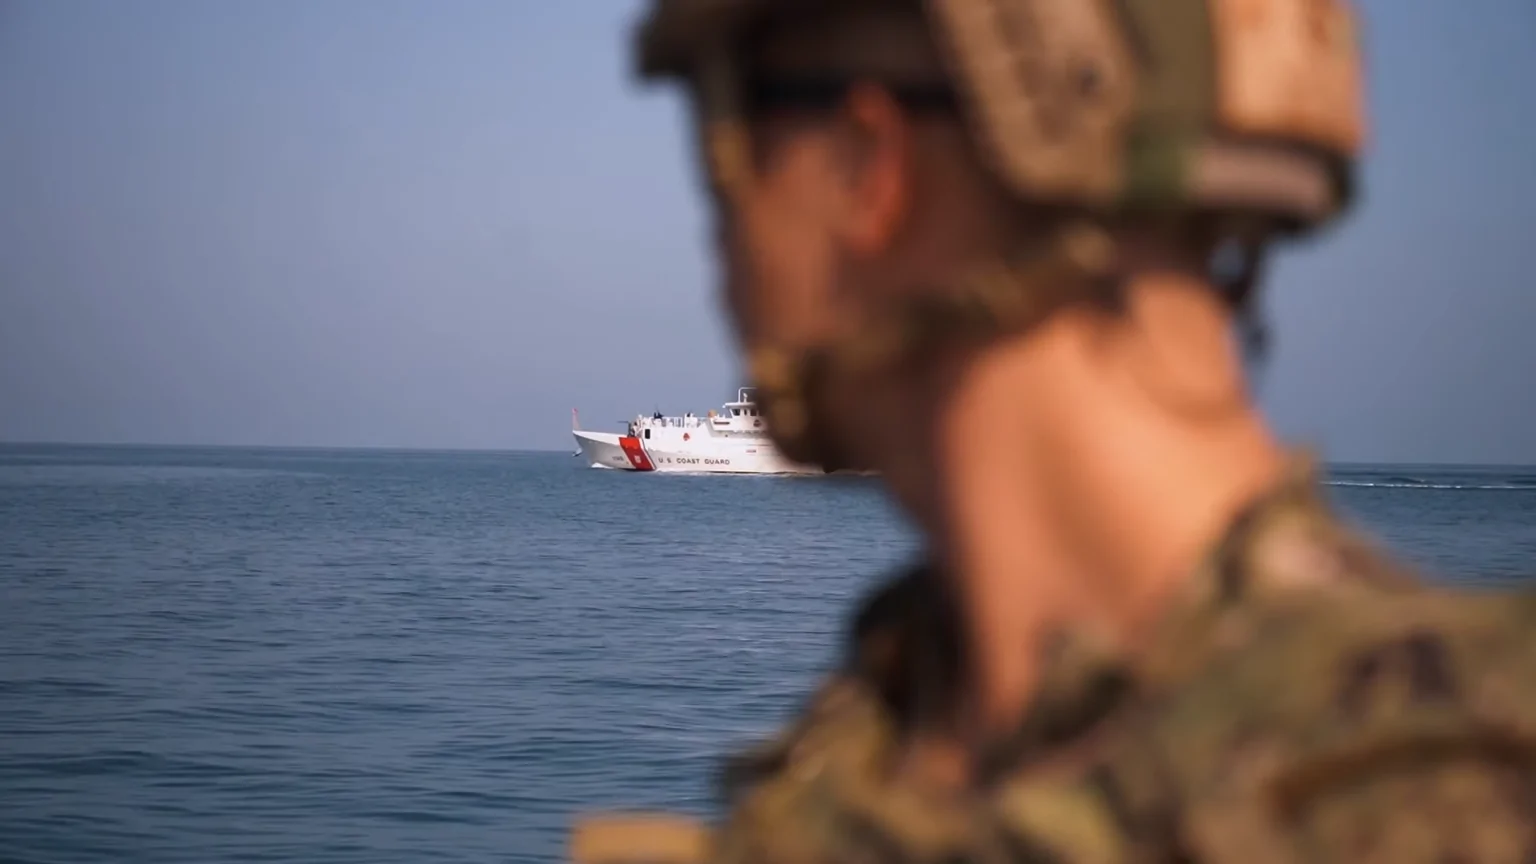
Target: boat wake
(1449, 481)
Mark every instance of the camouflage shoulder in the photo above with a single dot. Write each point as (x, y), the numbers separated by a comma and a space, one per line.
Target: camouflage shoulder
(1359, 726)
(824, 792)
(829, 796)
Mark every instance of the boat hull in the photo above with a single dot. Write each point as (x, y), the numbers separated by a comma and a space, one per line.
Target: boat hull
(613, 451)
(745, 460)
(664, 455)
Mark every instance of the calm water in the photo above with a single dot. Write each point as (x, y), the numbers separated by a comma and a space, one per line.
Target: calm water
(221, 655)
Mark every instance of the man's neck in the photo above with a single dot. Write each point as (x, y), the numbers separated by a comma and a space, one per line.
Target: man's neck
(1074, 488)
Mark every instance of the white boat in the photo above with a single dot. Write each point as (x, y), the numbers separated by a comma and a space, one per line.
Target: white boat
(733, 440)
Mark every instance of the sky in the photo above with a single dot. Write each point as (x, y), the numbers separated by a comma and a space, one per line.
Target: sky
(446, 223)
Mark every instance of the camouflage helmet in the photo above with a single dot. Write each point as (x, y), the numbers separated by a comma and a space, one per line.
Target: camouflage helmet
(1252, 106)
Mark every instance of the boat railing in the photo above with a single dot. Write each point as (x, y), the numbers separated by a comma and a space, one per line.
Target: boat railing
(688, 422)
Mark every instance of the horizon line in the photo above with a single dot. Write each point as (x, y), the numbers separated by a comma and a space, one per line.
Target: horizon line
(409, 448)
(382, 448)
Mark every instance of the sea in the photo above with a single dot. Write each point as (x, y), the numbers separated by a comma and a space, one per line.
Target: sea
(221, 655)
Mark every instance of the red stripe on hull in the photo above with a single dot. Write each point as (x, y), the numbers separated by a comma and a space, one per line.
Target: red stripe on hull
(635, 453)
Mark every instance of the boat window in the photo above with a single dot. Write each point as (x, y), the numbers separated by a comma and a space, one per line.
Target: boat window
(647, 433)
(736, 412)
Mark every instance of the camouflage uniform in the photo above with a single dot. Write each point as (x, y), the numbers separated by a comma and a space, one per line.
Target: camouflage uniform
(1305, 698)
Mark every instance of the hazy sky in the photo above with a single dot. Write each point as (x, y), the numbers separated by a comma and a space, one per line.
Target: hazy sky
(445, 223)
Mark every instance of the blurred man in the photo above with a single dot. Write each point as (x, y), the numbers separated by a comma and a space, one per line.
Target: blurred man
(1003, 252)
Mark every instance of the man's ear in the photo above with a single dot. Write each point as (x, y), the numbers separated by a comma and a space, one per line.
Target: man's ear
(877, 190)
